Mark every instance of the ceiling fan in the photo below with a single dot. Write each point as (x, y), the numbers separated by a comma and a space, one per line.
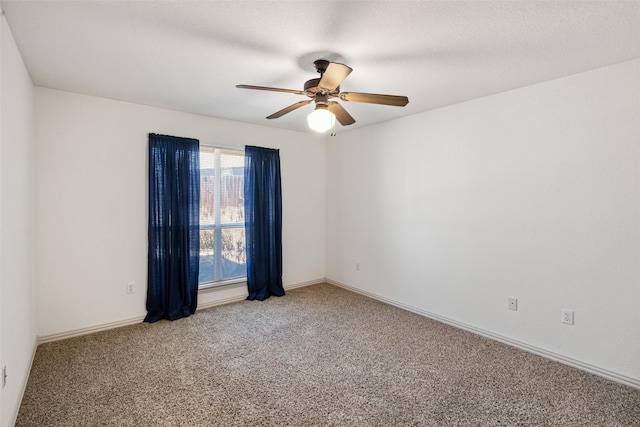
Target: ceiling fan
(324, 89)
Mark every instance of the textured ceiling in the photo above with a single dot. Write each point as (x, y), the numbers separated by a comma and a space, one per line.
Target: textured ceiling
(189, 55)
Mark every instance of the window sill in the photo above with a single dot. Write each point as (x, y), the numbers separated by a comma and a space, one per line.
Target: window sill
(237, 282)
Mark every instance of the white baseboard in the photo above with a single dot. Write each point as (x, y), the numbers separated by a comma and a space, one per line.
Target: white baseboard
(303, 284)
(132, 321)
(90, 330)
(610, 375)
(23, 386)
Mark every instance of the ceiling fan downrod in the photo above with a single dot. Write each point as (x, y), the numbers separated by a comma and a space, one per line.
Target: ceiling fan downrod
(321, 66)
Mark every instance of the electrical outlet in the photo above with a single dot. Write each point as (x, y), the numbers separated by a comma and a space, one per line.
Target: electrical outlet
(4, 376)
(513, 304)
(130, 288)
(567, 316)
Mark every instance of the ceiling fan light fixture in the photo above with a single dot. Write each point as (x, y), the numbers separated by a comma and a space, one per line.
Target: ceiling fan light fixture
(321, 119)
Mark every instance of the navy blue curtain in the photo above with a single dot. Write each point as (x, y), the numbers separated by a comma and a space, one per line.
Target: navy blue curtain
(263, 222)
(174, 227)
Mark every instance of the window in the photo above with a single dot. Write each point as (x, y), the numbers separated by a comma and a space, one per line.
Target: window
(222, 242)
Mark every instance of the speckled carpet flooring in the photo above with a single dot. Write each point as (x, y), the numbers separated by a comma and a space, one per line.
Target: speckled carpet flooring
(320, 356)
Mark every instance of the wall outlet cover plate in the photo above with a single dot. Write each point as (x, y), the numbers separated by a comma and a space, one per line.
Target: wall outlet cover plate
(567, 317)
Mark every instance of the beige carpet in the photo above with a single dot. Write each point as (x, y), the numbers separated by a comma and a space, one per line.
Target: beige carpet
(320, 356)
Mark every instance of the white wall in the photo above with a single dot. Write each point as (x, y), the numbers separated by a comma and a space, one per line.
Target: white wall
(17, 306)
(532, 194)
(91, 213)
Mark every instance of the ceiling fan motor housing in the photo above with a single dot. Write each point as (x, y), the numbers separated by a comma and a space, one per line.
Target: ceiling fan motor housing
(311, 86)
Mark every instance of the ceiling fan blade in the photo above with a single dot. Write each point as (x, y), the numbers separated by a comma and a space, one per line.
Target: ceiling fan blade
(375, 98)
(334, 75)
(289, 109)
(272, 89)
(341, 114)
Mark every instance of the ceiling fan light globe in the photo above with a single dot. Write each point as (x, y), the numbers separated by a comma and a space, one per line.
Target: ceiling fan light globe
(321, 120)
